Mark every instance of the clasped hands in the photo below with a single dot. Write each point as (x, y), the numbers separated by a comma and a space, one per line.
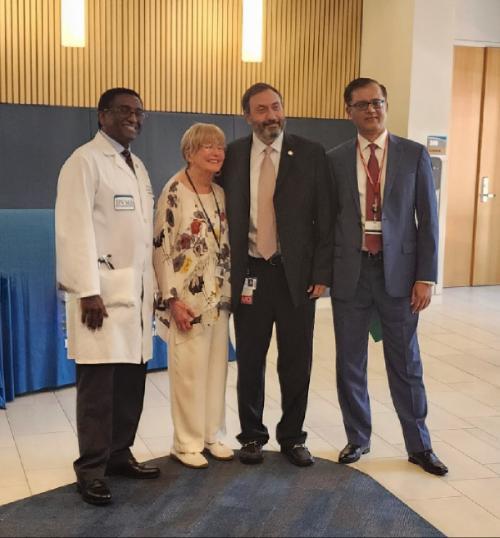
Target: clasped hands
(316, 290)
(182, 314)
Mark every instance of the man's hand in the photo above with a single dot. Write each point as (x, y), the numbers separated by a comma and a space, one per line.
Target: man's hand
(93, 311)
(182, 314)
(316, 290)
(420, 296)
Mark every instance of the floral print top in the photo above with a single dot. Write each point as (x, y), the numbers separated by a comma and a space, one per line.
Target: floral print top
(188, 262)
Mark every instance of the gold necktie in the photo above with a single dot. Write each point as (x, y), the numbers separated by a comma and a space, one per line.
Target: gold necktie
(266, 217)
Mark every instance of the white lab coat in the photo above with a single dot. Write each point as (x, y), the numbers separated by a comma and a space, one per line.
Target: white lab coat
(103, 209)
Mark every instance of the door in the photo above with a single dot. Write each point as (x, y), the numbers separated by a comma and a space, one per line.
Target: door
(486, 267)
(472, 241)
(467, 88)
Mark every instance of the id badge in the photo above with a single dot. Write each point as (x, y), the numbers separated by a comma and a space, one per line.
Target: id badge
(124, 202)
(373, 227)
(249, 286)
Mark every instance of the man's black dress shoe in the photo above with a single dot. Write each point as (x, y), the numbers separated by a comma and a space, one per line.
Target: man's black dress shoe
(133, 469)
(298, 455)
(351, 453)
(94, 491)
(251, 453)
(429, 462)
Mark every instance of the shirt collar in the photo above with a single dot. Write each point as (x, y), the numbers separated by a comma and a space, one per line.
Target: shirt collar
(259, 146)
(116, 145)
(379, 141)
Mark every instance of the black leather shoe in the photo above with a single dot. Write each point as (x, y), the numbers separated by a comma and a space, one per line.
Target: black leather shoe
(351, 453)
(298, 455)
(94, 491)
(133, 469)
(251, 453)
(429, 462)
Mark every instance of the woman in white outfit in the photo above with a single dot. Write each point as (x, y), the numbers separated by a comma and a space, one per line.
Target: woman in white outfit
(192, 264)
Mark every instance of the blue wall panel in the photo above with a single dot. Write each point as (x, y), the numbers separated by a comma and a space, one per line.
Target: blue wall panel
(36, 140)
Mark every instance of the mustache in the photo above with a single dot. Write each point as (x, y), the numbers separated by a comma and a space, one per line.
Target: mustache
(273, 122)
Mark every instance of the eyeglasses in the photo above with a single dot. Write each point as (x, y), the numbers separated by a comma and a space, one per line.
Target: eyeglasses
(377, 104)
(124, 111)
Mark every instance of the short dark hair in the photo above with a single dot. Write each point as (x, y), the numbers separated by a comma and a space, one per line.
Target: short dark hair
(361, 83)
(256, 88)
(107, 98)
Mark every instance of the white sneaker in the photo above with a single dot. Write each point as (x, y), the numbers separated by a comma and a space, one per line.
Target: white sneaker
(194, 460)
(218, 451)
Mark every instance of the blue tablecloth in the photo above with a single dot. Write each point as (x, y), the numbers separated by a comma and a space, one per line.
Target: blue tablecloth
(32, 350)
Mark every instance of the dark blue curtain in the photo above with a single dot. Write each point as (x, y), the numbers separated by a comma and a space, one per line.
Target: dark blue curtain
(32, 350)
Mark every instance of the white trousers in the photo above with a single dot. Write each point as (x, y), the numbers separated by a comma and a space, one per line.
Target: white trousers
(198, 372)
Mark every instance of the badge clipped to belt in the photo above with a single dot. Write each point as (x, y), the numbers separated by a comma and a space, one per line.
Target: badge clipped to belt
(249, 286)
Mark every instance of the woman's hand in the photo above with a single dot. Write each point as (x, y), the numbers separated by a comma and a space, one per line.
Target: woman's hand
(182, 314)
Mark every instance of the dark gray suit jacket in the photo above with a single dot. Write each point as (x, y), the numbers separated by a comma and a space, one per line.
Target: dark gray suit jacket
(303, 213)
(409, 218)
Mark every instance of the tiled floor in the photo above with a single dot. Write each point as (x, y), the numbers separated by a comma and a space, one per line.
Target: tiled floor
(460, 341)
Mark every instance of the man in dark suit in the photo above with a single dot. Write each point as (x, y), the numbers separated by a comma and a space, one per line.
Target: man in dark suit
(278, 205)
(385, 261)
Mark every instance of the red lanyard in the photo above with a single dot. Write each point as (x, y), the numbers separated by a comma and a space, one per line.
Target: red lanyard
(374, 184)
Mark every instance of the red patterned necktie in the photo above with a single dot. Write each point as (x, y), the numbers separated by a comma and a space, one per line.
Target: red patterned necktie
(128, 159)
(373, 241)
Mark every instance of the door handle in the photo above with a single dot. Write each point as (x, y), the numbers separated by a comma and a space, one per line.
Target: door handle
(484, 191)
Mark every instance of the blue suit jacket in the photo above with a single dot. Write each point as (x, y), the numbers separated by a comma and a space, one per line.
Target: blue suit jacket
(409, 218)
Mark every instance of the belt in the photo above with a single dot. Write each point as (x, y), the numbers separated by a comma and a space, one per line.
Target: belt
(275, 260)
(377, 256)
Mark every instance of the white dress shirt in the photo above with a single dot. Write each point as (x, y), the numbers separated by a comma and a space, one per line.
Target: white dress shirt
(256, 158)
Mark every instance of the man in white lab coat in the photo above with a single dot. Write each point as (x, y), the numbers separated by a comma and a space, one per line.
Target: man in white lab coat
(104, 212)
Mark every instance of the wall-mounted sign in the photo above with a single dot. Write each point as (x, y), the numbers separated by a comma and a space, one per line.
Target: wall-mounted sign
(436, 145)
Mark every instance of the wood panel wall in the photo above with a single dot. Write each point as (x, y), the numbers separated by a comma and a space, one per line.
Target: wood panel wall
(181, 55)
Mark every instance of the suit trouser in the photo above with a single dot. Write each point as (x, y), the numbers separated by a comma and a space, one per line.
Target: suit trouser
(109, 400)
(401, 353)
(272, 304)
(197, 370)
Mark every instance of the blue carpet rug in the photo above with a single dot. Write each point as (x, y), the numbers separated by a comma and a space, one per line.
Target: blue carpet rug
(227, 499)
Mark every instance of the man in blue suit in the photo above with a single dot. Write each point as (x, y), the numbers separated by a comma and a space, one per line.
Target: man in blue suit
(385, 262)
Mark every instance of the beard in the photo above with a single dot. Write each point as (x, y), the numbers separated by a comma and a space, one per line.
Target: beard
(269, 131)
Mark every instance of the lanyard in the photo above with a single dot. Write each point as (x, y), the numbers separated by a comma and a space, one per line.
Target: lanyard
(375, 184)
(210, 225)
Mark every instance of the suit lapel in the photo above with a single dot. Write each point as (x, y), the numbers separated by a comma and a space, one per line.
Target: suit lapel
(352, 172)
(239, 189)
(393, 157)
(244, 174)
(286, 159)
